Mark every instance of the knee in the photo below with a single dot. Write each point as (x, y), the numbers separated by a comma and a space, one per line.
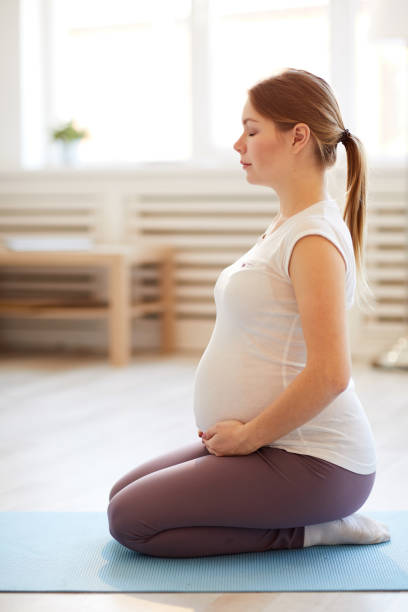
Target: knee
(115, 489)
(114, 521)
(121, 484)
(118, 486)
(117, 521)
(124, 526)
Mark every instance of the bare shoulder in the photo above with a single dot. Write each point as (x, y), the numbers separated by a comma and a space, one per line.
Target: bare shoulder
(312, 248)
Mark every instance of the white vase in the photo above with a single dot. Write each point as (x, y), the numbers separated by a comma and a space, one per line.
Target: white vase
(69, 152)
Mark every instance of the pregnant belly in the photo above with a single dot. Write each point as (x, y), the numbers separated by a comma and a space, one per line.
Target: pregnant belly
(233, 390)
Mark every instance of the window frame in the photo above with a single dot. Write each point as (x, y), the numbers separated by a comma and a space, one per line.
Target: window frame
(342, 15)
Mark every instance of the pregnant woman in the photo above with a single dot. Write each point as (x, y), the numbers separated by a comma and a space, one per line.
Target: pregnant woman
(286, 455)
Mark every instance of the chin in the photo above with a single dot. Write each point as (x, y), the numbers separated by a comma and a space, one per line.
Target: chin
(253, 180)
(249, 177)
(257, 181)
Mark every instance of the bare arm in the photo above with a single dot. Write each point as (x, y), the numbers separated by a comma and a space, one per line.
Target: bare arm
(317, 271)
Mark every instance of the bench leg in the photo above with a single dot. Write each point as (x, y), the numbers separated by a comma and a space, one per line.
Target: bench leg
(167, 298)
(119, 320)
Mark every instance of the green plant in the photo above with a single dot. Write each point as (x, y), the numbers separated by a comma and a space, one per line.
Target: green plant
(69, 132)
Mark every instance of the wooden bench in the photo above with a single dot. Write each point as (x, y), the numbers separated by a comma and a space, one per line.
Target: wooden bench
(117, 260)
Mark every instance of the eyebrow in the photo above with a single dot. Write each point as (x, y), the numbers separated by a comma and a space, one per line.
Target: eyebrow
(249, 119)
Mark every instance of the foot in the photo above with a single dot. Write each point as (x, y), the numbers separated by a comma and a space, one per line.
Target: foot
(353, 529)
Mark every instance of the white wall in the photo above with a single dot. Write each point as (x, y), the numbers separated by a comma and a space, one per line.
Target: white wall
(10, 109)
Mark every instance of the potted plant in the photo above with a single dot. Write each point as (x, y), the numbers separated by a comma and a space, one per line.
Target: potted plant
(69, 135)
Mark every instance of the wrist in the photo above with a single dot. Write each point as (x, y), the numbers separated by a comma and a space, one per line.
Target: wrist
(252, 435)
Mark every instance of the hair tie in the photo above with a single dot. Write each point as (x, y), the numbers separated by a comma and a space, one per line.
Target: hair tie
(345, 135)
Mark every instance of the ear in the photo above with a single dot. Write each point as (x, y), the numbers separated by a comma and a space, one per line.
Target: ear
(300, 135)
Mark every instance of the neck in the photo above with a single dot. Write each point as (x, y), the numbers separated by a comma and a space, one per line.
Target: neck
(301, 193)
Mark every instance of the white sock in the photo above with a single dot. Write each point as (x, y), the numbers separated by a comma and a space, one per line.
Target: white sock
(353, 529)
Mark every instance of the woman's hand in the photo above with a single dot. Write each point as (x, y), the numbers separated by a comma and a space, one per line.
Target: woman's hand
(227, 438)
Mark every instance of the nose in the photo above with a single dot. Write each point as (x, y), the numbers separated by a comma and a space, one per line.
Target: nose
(237, 146)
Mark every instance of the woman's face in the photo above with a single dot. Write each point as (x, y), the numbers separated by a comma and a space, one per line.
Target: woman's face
(266, 149)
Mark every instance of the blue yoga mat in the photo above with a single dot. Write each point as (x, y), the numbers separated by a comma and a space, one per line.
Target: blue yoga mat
(74, 552)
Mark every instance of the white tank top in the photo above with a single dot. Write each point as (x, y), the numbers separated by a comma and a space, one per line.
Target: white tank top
(257, 346)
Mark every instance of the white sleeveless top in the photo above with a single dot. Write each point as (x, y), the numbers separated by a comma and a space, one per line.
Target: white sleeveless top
(257, 346)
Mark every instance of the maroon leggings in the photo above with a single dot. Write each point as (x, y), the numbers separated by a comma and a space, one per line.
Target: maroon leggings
(190, 503)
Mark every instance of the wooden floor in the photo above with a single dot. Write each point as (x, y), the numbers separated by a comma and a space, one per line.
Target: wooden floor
(71, 426)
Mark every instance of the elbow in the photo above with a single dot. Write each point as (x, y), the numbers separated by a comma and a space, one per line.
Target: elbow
(341, 384)
(339, 381)
(334, 380)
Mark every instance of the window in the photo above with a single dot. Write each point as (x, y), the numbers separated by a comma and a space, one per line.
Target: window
(166, 81)
(251, 41)
(381, 91)
(122, 71)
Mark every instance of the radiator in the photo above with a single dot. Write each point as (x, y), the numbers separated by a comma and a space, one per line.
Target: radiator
(387, 258)
(211, 219)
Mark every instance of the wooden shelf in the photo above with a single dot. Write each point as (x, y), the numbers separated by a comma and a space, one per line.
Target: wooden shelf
(73, 311)
(119, 310)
